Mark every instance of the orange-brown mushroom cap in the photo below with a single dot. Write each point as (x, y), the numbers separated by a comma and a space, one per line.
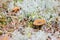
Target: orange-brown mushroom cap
(39, 22)
(15, 9)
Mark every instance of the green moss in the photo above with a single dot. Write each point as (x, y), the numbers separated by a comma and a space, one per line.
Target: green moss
(50, 16)
(9, 19)
(20, 1)
(1, 32)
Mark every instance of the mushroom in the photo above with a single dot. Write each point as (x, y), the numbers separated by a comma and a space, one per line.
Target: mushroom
(15, 9)
(38, 23)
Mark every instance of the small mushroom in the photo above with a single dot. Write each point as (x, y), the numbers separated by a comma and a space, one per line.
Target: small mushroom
(38, 23)
(15, 9)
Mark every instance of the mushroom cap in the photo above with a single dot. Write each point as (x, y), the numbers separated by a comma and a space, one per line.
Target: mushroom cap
(39, 22)
(15, 9)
